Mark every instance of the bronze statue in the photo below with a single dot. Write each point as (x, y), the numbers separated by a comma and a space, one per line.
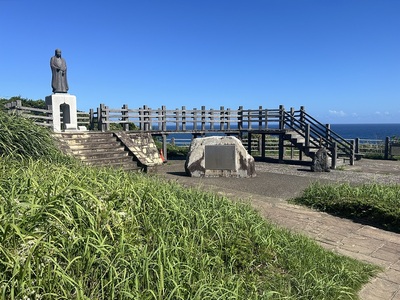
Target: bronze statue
(58, 73)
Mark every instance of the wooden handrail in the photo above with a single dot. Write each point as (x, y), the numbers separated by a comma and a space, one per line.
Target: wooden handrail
(316, 133)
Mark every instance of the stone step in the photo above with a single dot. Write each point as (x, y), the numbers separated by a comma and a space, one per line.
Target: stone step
(98, 140)
(85, 135)
(101, 154)
(94, 150)
(124, 165)
(100, 161)
(118, 149)
(93, 146)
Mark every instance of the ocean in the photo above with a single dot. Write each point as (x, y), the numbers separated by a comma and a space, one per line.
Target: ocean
(367, 131)
(347, 131)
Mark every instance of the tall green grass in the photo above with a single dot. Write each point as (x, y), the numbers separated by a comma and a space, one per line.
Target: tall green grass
(69, 231)
(20, 137)
(374, 203)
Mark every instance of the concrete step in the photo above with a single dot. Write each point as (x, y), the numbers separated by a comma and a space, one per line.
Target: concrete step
(86, 135)
(93, 146)
(97, 149)
(107, 159)
(99, 154)
(124, 165)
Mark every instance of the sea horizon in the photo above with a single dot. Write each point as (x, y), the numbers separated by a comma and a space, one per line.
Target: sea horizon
(366, 131)
(378, 131)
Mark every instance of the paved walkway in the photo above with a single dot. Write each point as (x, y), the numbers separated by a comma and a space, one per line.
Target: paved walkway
(275, 184)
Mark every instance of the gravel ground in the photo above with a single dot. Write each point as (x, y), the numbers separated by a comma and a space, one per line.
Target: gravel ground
(364, 171)
(285, 181)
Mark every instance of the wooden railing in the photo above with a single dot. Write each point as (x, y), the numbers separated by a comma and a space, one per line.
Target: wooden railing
(185, 120)
(43, 117)
(375, 148)
(317, 134)
(163, 120)
(39, 116)
(201, 121)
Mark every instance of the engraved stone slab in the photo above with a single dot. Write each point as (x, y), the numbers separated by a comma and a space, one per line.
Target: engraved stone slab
(395, 149)
(220, 157)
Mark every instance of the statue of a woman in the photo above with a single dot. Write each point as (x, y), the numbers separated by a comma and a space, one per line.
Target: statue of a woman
(59, 73)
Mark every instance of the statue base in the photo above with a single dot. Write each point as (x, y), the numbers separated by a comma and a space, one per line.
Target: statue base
(65, 103)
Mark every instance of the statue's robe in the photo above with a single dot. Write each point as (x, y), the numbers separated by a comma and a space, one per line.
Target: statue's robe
(59, 75)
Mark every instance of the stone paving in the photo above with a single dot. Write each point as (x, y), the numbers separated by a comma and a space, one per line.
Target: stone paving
(343, 236)
(358, 241)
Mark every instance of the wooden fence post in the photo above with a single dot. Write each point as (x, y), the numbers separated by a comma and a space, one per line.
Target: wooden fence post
(334, 156)
(211, 117)
(203, 118)
(99, 119)
(240, 118)
(164, 142)
(107, 111)
(125, 117)
(352, 156)
(184, 118)
(291, 117)
(328, 133)
(221, 118)
(146, 118)
(260, 117)
(357, 145)
(281, 117)
(387, 147)
(164, 118)
(228, 118)
(195, 113)
(249, 119)
(102, 117)
(91, 119)
(281, 147)
(307, 135)
(176, 112)
(263, 145)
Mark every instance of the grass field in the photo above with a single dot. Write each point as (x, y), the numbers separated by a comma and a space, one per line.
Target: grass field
(69, 231)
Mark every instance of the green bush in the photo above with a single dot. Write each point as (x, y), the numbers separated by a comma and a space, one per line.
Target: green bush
(373, 203)
(20, 137)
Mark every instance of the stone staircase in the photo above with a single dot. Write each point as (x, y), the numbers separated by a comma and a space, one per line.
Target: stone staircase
(98, 149)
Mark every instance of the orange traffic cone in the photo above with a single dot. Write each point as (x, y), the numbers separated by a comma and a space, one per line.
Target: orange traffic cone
(162, 156)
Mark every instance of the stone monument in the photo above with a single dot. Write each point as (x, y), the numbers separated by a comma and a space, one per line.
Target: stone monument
(219, 156)
(320, 162)
(60, 100)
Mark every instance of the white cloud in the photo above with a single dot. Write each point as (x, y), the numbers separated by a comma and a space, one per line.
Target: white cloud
(339, 113)
(384, 113)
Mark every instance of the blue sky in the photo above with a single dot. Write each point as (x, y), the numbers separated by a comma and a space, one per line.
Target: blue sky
(338, 58)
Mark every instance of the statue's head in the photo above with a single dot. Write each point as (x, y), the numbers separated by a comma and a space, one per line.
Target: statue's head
(58, 52)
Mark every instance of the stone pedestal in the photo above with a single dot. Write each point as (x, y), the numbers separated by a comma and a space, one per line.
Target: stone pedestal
(65, 103)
